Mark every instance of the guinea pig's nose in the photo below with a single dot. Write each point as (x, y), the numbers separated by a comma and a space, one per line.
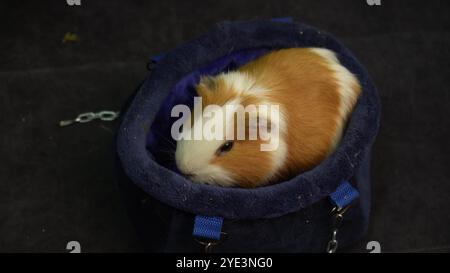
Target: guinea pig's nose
(188, 175)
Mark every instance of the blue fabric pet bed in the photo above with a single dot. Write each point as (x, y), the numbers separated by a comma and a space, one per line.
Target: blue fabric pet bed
(173, 214)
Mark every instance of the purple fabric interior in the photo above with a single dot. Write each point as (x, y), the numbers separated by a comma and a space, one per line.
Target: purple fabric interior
(160, 144)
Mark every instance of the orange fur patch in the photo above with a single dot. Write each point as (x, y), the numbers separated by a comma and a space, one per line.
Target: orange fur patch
(302, 82)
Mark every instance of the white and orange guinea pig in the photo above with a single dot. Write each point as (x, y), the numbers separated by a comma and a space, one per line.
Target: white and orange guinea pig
(315, 95)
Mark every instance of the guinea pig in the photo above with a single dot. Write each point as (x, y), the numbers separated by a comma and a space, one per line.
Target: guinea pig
(315, 94)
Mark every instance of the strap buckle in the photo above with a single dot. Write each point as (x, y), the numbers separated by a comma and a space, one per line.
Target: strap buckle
(342, 199)
(208, 231)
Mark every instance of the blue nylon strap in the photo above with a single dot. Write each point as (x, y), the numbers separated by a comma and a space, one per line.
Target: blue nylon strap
(207, 227)
(210, 227)
(344, 194)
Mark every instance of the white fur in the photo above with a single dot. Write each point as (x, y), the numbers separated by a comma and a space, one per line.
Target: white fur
(242, 83)
(346, 81)
(344, 77)
(280, 154)
(194, 157)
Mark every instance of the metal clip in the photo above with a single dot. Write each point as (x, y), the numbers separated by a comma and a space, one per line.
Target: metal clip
(338, 217)
(89, 116)
(333, 243)
(210, 244)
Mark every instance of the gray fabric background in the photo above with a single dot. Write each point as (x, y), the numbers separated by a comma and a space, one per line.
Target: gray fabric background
(58, 184)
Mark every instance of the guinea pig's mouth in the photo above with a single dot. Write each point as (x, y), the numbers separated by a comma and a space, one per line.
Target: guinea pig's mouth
(195, 178)
(191, 176)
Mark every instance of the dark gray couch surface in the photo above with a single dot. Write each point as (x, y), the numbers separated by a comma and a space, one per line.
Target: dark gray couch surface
(58, 184)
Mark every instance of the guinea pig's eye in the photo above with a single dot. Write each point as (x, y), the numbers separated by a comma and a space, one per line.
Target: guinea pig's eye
(226, 147)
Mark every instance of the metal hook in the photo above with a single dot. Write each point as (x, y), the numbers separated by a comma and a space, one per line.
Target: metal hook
(338, 217)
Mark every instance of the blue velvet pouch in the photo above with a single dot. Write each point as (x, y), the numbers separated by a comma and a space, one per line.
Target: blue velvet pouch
(292, 216)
